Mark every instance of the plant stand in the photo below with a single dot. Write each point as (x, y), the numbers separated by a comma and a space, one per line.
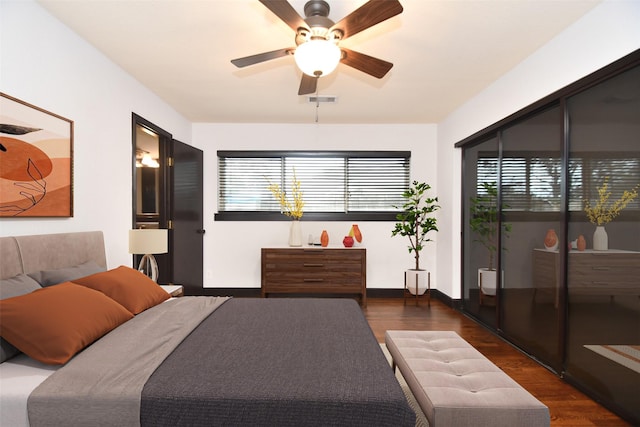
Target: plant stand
(416, 294)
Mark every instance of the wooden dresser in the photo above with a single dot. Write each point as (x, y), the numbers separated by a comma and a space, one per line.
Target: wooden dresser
(612, 272)
(313, 270)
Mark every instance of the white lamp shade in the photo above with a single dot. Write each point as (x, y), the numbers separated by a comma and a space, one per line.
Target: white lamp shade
(317, 57)
(148, 241)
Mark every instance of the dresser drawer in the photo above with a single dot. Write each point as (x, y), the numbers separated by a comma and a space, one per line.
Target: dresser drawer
(317, 276)
(604, 273)
(298, 256)
(318, 266)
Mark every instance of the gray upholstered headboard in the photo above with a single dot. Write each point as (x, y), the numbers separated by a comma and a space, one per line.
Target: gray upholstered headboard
(28, 254)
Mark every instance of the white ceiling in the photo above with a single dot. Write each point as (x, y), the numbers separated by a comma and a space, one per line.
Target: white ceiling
(444, 52)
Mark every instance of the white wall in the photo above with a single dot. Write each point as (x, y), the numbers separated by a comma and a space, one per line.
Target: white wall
(46, 64)
(610, 31)
(232, 249)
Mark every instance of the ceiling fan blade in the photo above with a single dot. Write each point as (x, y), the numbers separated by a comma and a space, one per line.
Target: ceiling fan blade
(369, 14)
(308, 84)
(283, 10)
(365, 63)
(262, 57)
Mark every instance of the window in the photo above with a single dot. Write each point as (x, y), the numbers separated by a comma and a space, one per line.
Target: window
(531, 181)
(337, 185)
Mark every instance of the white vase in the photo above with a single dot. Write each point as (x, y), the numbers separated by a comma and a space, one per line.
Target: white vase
(600, 239)
(295, 234)
(419, 277)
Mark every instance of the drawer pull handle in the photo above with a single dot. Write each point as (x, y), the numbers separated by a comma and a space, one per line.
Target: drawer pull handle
(600, 283)
(313, 280)
(604, 268)
(309, 264)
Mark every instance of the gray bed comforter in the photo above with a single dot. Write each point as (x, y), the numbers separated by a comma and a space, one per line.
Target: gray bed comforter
(102, 385)
(267, 362)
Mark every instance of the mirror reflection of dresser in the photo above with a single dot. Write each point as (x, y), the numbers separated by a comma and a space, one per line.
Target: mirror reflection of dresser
(589, 272)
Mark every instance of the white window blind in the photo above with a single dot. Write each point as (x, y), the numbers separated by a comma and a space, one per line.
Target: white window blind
(533, 181)
(622, 170)
(332, 182)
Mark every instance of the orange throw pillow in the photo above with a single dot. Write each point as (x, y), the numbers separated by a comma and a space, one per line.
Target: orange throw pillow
(52, 324)
(132, 289)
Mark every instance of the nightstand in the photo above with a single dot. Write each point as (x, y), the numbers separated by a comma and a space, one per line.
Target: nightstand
(173, 290)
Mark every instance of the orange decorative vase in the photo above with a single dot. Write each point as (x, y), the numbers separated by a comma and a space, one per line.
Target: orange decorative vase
(551, 240)
(355, 231)
(582, 243)
(324, 239)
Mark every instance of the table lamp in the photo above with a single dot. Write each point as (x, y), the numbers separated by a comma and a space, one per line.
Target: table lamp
(146, 242)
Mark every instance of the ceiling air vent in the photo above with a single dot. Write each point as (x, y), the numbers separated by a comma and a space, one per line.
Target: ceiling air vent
(323, 99)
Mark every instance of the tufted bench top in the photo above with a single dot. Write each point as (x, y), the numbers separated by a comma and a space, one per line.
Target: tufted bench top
(455, 385)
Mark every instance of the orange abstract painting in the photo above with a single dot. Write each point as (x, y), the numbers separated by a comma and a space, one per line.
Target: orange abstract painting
(36, 161)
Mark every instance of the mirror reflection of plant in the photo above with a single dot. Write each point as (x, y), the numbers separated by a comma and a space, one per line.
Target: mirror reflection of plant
(484, 219)
(415, 221)
(605, 211)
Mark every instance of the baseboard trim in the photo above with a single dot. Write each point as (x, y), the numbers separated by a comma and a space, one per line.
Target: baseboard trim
(225, 292)
(371, 293)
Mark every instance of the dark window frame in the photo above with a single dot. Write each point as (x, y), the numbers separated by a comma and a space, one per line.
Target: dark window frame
(272, 215)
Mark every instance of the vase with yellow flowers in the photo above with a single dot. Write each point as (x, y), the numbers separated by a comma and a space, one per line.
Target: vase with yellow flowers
(291, 208)
(605, 211)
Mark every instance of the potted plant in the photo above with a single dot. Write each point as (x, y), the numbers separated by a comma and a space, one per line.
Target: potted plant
(484, 223)
(605, 211)
(415, 222)
(291, 208)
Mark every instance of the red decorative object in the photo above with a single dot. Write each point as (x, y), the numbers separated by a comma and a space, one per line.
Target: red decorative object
(324, 239)
(582, 243)
(551, 240)
(347, 241)
(356, 233)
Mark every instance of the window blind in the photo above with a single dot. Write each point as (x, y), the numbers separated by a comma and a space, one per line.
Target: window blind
(332, 182)
(533, 181)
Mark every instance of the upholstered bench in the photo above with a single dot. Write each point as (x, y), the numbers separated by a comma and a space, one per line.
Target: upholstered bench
(455, 385)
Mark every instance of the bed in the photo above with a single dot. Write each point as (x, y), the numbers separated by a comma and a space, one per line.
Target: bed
(180, 361)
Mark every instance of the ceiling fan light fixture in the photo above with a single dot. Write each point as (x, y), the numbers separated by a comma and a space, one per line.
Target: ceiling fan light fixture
(317, 57)
(148, 161)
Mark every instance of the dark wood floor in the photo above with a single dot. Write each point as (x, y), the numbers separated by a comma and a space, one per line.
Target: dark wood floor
(567, 406)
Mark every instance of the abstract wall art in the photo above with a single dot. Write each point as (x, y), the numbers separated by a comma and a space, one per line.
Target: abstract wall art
(36, 161)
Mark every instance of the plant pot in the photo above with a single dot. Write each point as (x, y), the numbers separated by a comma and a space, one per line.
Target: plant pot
(413, 276)
(487, 281)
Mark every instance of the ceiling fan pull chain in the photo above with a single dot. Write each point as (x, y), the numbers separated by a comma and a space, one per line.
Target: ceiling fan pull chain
(317, 102)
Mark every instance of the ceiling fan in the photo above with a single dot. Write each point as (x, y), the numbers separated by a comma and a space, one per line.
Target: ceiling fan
(317, 37)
